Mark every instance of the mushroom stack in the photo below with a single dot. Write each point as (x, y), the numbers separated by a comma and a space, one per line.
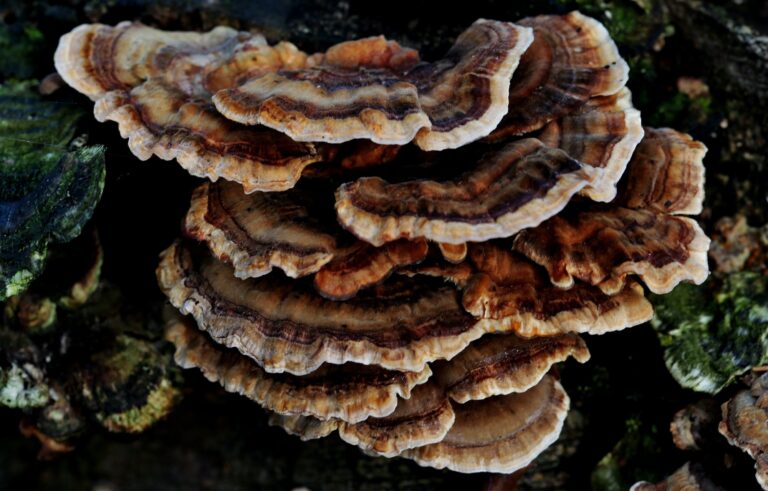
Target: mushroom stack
(406, 293)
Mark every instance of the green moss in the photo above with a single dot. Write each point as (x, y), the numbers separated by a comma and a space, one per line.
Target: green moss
(50, 186)
(709, 343)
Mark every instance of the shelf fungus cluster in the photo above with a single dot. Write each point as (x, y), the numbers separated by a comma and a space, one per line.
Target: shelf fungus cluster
(745, 425)
(409, 300)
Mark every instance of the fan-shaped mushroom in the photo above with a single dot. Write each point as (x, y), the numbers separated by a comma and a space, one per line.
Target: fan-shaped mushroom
(349, 392)
(572, 58)
(157, 86)
(745, 425)
(601, 245)
(509, 288)
(602, 133)
(513, 188)
(285, 326)
(444, 104)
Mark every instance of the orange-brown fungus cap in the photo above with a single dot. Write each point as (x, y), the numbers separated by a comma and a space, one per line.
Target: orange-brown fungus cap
(372, 52)
(160, 120)
(423, 419)
(499, 434)
(515, 187)
(286, 326)
(444, 104)
(491, 370)
(295, 231)
(95, 59)
(348, 392)
(513, 290)
(259, 231)
(157, 86)
(505, 364)
(572, 59)
(602, 133)
(453, 253)
(745, 425)
(363, 266)
(666, 174)
(602, 245)
(428, 416)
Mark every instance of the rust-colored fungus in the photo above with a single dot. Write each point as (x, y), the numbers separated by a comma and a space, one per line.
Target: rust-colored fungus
(95, 59)
(160, 120)
(572, 58)
(294, 231)
(260, 231)
(348, 392)
(666, 175)
(515, 293)
(286, 326)
(453, 253)
(499, 434)
(601, 245)
(511, 289)
(364, 265)
(490, 372)
(340, 316)
(602, 133)
(516, 187)
(158, 85)
(505, 364)
(423, 419)
(443, 104)
(745, 425)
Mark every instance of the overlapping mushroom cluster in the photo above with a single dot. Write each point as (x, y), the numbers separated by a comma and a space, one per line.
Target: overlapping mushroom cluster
(413, 301)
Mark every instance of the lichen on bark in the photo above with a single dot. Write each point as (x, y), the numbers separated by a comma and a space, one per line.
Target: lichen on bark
(709, 343)
(51, 183)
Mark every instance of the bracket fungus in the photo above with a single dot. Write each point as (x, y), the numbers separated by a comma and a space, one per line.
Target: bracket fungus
(349, 392)
(572, 58)
(444, 104)
(260, 231)
(602, 245)
(514, 410)
(286, 326)
(416, 316)
(517, 187)
(745, 425)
